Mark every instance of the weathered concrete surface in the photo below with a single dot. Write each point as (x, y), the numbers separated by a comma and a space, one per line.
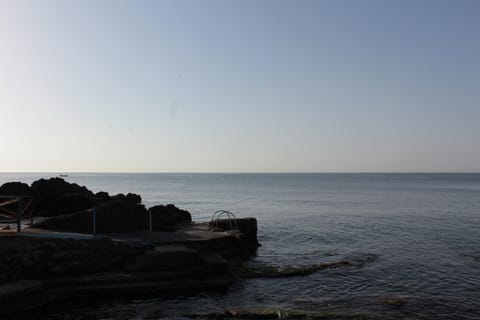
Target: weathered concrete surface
(38, 256)
(43, 267)
(247, 226)
(42, 233)
(199, 236)
(186, 234)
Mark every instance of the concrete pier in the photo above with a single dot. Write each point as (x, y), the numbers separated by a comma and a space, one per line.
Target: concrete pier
(39, 267)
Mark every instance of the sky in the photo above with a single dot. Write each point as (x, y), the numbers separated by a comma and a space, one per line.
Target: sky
(239, 86)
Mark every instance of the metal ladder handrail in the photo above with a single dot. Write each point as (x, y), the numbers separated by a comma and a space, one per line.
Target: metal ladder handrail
(230, 216)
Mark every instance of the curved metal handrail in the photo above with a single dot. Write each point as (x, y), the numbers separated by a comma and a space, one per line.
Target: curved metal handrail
(230, 216)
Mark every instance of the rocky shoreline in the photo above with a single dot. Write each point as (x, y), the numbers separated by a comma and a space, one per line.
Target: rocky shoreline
(134, 252)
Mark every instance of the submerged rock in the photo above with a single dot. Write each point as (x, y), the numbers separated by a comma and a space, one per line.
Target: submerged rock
(274, 272)
(393, 301)
(265, 314)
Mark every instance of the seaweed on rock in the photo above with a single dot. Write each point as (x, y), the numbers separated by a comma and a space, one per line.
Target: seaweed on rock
(274, 272)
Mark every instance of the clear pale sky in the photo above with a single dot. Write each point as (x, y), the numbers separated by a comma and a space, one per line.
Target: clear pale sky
(239, 86)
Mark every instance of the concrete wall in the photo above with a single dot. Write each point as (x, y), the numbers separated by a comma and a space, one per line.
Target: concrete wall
(42, 258)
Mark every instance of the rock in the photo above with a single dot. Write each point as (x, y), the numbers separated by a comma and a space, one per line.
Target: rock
(133, 198)
(58, 186)
(274, 272)
(395, 301)
(130, 198)
(121, 215)
(101, 196)
(70, 208)
(15, 188)
(168, 216)
(116, 216)
(56, 196)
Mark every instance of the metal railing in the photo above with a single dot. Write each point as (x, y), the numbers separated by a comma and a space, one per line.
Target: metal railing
(217, 215)
(14, 216)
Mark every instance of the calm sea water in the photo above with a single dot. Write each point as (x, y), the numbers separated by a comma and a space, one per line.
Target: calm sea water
(414, 237)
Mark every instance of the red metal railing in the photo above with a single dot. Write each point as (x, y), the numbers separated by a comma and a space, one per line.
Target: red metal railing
(9, 215)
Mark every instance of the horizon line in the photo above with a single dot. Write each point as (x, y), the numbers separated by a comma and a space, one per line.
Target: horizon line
(239, 172)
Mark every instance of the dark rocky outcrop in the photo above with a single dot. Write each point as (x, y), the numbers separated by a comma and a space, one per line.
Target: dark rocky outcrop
(56, 196)
(123, 214)
(58, 186)
(120, 214)
(129, 198)
(168, 217)
(101, 196)
(39, 267)
(70, 208)
(16, 189)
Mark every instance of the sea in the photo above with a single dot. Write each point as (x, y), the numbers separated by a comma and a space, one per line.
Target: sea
(413, 239)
